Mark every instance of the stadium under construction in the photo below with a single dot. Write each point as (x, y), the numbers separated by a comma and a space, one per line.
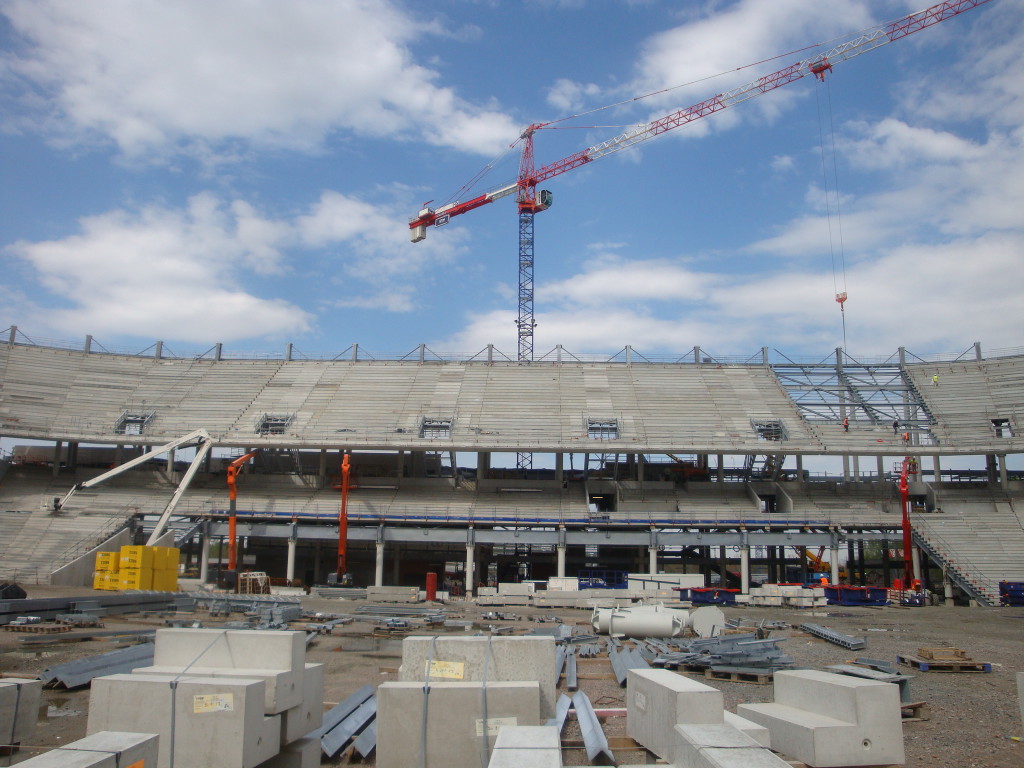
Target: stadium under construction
(487, 469)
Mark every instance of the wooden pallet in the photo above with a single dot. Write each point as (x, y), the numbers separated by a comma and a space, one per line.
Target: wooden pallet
(38, 629)
(739, 676)
(942, 654)
(944, 665)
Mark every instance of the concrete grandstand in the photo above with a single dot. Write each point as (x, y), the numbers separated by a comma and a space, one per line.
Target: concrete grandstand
(698, 463)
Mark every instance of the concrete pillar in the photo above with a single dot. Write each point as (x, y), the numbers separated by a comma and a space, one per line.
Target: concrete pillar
(57, 451)
(799, 467)
(321, 472)
(470, 569)
(560, 553)
(721, 468)
(915, 558)
(119, 454)
(396, 563)
(834, 563)
(204, 555)
(483, 464)
(292, 546)
(1003, 480)
(170, 462)
(856, 468)
(652, 560)
(846, 468)
(745, 569)
(378, 571)
(400, 469)
(936, 468)
(880, 468)
(947, 590)
(560, 468)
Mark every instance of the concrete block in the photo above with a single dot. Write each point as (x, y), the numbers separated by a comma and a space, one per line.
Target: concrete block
(863, 725)
(454, 720)
(105, 749)
(218, 722)
(308, 715)
(719, 746)
(658, 699)
(303, 753)
(537, 746)
(392, 594)
(19, 709)
(461, 659)
(757, 732)
(233, 649)
(282, 689)
(514, 588)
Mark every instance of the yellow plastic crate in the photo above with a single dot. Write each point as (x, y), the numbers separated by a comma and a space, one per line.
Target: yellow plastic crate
(108, 562)
(134, 578)
(137, 557)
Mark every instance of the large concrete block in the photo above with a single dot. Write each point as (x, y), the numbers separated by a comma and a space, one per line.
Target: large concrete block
(461, 659)
(303, 753)
(828, 720)
(455, 725)
(105, 749)
(719, 746)
(230, 649)
(19, 709)
(218, 722)
(536, 746)
(658, 699)
(282, 689)
(309, 715)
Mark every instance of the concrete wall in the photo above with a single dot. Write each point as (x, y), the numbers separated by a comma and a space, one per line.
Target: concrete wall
(78, 573)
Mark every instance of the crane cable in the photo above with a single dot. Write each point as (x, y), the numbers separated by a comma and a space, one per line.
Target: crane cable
(840, 267)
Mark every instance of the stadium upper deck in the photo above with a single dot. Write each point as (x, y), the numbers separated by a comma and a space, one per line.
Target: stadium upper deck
(561, 405)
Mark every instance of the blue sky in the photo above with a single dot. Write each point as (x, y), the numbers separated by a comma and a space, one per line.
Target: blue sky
(243, 172)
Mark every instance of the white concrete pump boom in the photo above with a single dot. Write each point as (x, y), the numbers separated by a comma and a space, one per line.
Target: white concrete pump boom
(200, 438)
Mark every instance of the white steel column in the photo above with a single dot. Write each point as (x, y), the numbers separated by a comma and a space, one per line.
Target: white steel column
(204, 555)
(652, 558)
(470, 569)
(834, 562)
(378, 571)
(745, 569)
(290, 573)
(915, 557)
(560, 552)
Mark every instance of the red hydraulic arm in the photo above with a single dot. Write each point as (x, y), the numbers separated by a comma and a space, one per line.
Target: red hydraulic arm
(909, 468)
(233, 469)
(343, 521)
(529, 177)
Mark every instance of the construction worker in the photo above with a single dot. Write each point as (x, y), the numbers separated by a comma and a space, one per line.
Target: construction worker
(846, 425)
(935, 379)
(895, 426)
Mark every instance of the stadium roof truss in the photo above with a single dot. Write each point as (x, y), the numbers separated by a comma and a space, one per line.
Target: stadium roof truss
(829, 391)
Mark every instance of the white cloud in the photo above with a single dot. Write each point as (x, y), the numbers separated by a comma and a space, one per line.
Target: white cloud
(156, 77)
(568, 96)
(157, 268)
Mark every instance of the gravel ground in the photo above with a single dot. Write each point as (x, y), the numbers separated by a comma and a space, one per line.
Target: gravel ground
(973, 716)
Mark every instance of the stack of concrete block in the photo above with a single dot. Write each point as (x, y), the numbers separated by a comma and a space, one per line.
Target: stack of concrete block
(534, 746)
(19, 708)
(788, 595)
(767, 595)
(392, 594)
(823, 719)
(476, 686)
(658, 700)
(105, 749)
(251, 690)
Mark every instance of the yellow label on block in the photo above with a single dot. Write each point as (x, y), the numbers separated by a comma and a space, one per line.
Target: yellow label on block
(494, 724)
(453, 670)
(213, 702)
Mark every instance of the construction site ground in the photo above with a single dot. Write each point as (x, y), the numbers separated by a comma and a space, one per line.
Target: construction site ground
(972, 717)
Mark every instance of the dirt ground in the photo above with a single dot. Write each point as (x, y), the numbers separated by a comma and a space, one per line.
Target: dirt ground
(973, 717)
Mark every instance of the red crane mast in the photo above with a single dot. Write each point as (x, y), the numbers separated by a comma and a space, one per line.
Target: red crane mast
(531, 200)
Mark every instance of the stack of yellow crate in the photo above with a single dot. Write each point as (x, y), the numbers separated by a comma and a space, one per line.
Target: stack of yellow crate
(106, 575)
(136, 563)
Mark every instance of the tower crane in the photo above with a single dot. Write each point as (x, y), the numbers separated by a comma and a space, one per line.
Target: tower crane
(530, 200)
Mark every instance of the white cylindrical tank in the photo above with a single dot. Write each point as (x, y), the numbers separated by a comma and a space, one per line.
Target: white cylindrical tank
(647, 622)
